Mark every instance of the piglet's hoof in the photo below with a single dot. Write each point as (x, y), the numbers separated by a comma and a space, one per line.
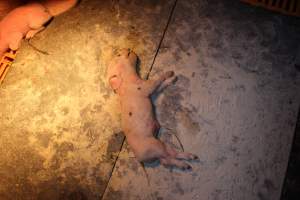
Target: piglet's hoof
(187, 168)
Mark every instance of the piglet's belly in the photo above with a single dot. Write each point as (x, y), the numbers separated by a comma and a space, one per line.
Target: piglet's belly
(137, 116)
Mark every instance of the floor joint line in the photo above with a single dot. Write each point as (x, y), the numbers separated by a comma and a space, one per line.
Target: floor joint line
(112, 170)
(162, 39)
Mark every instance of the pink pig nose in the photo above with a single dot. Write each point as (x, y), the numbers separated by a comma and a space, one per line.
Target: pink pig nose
(124, 53)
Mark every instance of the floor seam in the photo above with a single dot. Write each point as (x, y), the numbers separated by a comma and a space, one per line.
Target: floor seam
(162, 39)
(113, 169)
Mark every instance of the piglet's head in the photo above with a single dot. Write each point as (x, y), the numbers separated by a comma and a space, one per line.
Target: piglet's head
(121, 70)
(117, 73)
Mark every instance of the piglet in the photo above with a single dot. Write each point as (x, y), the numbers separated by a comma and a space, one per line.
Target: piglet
(57, 7)
(24, 21)
(138, 120)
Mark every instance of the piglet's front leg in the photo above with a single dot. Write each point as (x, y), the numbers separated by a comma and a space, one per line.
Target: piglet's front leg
(153, 84)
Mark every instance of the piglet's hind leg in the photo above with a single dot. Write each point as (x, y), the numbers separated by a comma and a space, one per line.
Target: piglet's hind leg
(176, 159)
(180, 155)
(174, 162)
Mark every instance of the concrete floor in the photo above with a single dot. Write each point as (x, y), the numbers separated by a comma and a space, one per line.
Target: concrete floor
(291, 186)
(234, 104)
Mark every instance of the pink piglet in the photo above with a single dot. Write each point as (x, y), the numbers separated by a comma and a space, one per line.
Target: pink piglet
(22, 22)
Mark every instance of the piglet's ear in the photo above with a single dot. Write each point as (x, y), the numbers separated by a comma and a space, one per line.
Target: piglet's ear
(115, 82)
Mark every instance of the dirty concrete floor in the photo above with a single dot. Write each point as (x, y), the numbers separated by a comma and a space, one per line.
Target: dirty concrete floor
(59, 123)
(234, 104)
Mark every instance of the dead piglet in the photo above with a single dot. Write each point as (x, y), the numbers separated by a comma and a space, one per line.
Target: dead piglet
(24, 21)
(138, 120)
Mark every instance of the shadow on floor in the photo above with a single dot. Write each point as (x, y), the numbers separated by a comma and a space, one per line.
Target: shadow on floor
(291, 187)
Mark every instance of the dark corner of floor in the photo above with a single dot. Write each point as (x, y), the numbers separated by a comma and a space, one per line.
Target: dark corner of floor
(291, 186)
